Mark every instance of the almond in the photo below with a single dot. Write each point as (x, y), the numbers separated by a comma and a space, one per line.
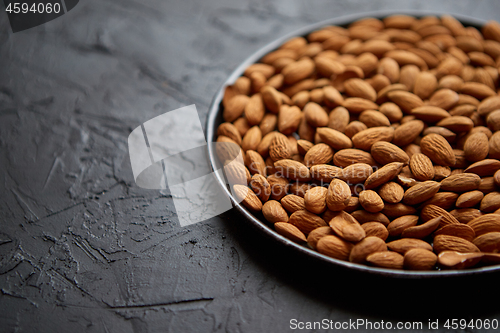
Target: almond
(405, 100)
(247, 198)
(334, 247)
(362, 216)
(421, 167)
(444, 99)
(303, 146)
(419, 259)
(292, 203)
(271, 98)
(315, 199)
(335, 139)
(488, 105)
(372, 118)
(477, 90)
(324, 173)
(332, 97)
(293, 170)
(485, 223)
(398, 225)
(315, 115)
(457, 260)
(318, 154)
(457, 123)
(261, 187)
(386, 259)
(423, 230)
(458, 230)
(346, 157)
(407, 132)
(371, 201)
(438, 150)
(469, 199)
(229, 130)
(445, 200)
(289, 119)
(338, 195)
(274, 212)
(366, 138)
(298, 71)
(355, 173)
(430, 113)
(251, 139)
(425, 84)
(358, 105)
(452, 243)
(356, 87)
(398, 209)
(235, 107)
(405, 244)
(430, 212)
(346, 227)
(421, 192)
(466, 215)
(318, 233)
(461, 182)
(385, 152)
(255, 162)
(255, 110)
(490, 202)
(383, 175)
(354, 127)
(280, 149)
(391, 192)
(476, 147)
(306, 221)
(367, 246)
(376, 229)
(290, 231)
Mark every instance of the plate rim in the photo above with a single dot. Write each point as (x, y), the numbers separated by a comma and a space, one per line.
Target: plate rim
(213, 114)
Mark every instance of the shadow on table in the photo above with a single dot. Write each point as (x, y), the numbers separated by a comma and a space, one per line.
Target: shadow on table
(369, 294)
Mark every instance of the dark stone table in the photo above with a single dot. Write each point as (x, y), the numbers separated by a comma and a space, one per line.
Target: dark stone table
(84, 249)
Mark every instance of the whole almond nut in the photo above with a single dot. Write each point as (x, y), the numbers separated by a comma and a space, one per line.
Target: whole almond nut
(461, 182)
(485, 223)
(290, 231)
(457, 123)
(274, 212)
(430, 212)
(346, 157)
(397, 210)
(315, 199)
(407, 101)
(458, 230)
(332, 97)
(371, 201)
(383, 175)
(476, 147)
(345, 226)
(405, 244)
(251, 139)
(334, 247)
(293, 170)
(289, 119)
(318, 233)
(306, 221)
(391, 111)
(421, 192)
(423, 230)
(338, 195)
(366, 138)
(318, 154)
(355, 173)
(339, 119)
(419, 259)
(452, 243)
(356, 87)
(469, 199)
(358, 104)
(465, 215)
(229, 130)
(430, 113)
(271, 98)
(407, 132)
(490, 202)
(386, 259)
(425, 84)
(444, 99)
(421, 167)
(445, 200)
(438, 150)
(372, 118)
(255, 163)
(261, 187)
(247, 198)
(457, 260)
(235, 107)
(367, 246)
(398, 225)
(280, 149)
(293, 203)
(488, 105)
(303, 146)
(335, 139)
(391, 192)
(354, 127)
(376, 229)
(385, 152)
(489, 242)
(298, 71)
(324, 173)
(315, 115)
(255, 110)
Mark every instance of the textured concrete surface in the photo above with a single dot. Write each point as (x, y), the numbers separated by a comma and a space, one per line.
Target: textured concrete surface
(83, 249)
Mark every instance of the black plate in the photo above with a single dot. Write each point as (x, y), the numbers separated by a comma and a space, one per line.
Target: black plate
(215, 118)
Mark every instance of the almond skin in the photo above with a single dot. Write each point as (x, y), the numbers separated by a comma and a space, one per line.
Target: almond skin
(355, 173)
(419, 259)
(386, 259)
(452, 243)
(430, 212)
(407, 132)
(334, 247)
(461, 182)
(293, 203)
(338, 195)
(476, 147)
(279, 149)
(261, 187)
(485, 223)
(438, 150)
(367, 246)
(458, 230)
(383, 175)
(293, 170)
(335, 139)
(290, 231)
(376, 229)
(247, 198)
(371, 201)
(315, 115)
(315, 199)
(274, 212)
(385, 152)
(366, 138)
(421, 192)
(324, 172)
(421, 167)
(391, 192)
(318, 154)
(359, 88)
(306, 221)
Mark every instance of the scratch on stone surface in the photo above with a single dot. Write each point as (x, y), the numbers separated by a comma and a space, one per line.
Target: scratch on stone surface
(29, 213)
(56, 162)
(188, 304)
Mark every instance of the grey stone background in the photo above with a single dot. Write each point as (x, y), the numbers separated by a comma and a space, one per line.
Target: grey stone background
(83, 249)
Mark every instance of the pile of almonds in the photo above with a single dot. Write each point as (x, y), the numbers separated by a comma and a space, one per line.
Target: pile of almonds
(376, 143)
